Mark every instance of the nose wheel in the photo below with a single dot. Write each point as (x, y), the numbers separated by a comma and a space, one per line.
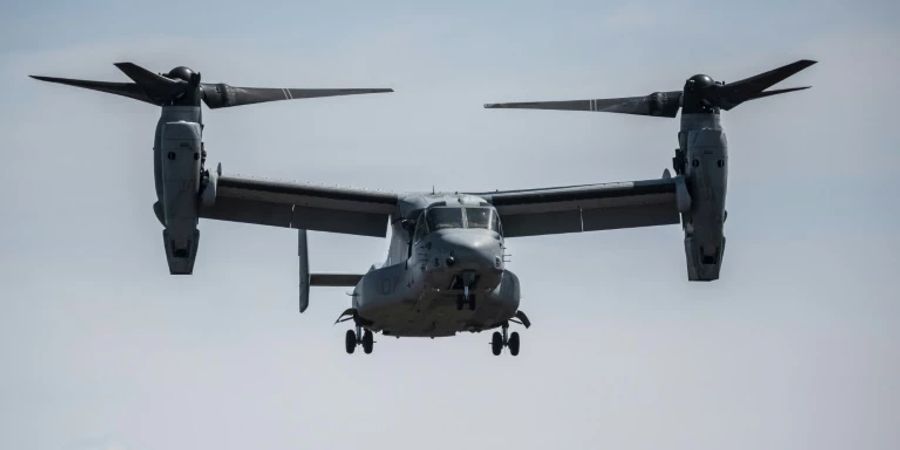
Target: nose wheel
(509, 340)
(364, 338)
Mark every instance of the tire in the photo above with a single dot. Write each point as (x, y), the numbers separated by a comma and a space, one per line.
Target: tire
(497, 343)
(513, 343)
(368, 342)
(350, 342)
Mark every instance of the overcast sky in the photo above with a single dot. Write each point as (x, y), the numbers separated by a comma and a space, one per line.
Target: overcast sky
(797, 346)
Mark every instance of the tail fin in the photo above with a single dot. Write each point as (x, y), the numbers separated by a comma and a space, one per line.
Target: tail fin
(318, 279)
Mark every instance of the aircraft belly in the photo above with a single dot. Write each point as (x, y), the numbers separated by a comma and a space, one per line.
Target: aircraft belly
(414, 309)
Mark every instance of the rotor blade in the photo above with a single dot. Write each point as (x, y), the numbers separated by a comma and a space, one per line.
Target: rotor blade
(156, 86)
(130, 90)
(660, 104)
(221, 95)
(732, 94)
(144, 77)
(769, 93)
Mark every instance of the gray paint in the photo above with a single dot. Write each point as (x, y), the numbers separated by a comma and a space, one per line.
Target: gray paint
(449, 280)
(706, 170)
(417, 291)
(177, 155)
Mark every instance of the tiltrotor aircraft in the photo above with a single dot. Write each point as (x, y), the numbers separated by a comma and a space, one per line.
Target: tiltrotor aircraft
(445, 270)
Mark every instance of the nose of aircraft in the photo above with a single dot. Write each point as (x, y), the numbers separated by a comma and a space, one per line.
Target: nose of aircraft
(477, 250)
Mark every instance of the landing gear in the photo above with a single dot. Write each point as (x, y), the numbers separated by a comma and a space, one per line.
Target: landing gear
(359, 337)
(500, 340)
(350, 342)
(497, 343)
(368, 342)
(513, 343)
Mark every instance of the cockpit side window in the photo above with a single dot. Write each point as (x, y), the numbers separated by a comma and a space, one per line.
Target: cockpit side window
(441, 218)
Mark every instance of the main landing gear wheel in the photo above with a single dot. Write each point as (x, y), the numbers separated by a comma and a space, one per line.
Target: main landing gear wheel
(513, 343)
(500, 340)
(368, 341)
(365, 338)
(350, 342)
(497, 343)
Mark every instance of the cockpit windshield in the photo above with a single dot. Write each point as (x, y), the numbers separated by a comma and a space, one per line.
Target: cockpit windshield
(442, 217)
(481, 218)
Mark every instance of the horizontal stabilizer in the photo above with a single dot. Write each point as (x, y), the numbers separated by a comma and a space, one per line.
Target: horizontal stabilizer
(334, 279)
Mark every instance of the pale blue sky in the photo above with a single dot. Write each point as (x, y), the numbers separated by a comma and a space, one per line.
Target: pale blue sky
(796, 347)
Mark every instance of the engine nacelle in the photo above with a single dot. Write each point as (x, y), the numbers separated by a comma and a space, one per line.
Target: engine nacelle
(180, 174)
(704, 159)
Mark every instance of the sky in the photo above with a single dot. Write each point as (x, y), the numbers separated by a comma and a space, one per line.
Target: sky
(797, 346)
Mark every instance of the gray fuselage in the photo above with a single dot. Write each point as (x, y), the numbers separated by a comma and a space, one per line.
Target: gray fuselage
(433, 265)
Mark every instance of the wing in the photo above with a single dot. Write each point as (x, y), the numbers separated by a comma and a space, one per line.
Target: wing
(571, 209)
(301, 206)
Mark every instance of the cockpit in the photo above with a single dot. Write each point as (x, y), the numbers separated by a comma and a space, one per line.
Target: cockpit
(444, 217)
